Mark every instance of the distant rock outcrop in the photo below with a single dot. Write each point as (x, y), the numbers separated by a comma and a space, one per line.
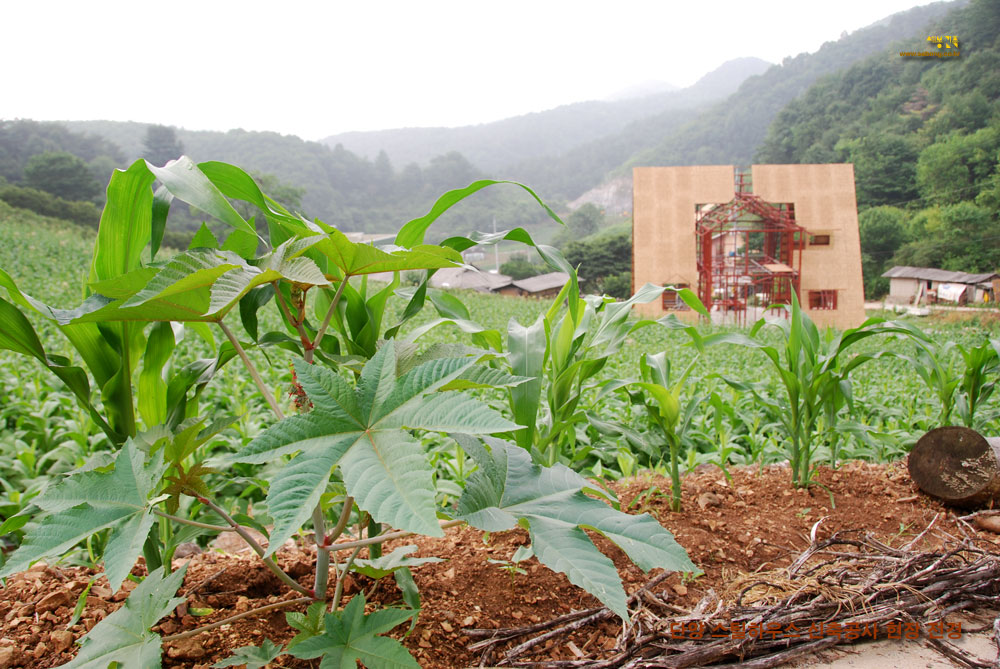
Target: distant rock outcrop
(614, 196)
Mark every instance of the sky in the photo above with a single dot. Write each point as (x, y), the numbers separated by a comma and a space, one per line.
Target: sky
(315, 69)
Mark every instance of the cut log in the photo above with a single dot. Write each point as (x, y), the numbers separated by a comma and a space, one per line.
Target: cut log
(957, 465)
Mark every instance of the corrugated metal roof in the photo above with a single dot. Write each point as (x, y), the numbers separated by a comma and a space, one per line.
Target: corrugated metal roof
(537, 284)
(943, 275)
(461, 277)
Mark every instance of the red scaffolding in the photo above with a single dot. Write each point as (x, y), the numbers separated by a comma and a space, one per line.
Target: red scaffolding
(749, 252)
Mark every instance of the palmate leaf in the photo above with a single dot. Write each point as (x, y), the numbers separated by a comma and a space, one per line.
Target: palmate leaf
(508, 490)
(352, 636)
(124, 636)
(90, 501)
(394, 561)
(254, 657)
(365, 430)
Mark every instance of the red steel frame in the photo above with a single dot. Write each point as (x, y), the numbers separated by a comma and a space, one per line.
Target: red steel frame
(728, 280)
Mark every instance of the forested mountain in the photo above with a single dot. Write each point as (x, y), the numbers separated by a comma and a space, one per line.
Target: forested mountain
(500, 144)
(924, 137)
(21, 140)
(731, 130)
(339, 187)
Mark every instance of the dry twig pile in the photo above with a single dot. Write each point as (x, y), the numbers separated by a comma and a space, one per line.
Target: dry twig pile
(848, 588)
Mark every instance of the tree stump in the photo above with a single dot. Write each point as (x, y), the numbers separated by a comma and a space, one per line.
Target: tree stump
(957, 465)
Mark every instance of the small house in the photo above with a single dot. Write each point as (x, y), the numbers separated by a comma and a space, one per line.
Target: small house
(543, 285)
(916, 285)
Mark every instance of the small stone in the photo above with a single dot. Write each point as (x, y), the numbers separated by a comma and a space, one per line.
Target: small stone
(40, 650)
(187, 549)
(468, 621)
(187, 649)
(53, 601)
(168, 627)
(242, 604)
(61, 640)
(707, 499)
(681, 590)
(8, 657)
(425, 644)
(446, 626)
(101, 592)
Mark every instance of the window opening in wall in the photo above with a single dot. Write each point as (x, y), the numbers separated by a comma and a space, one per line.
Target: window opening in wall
(819, 240)
(672, 301)
(823, 299)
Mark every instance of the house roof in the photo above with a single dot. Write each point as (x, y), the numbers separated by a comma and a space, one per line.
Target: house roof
(368, 237)
(536, 284)
(942, 275)
(464, 278)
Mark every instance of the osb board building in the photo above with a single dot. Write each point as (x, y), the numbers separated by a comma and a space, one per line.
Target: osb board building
(744, 239)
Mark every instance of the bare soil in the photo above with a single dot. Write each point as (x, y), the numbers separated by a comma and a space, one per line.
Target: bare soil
(730, 528)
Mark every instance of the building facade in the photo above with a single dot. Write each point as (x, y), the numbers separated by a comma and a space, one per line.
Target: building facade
(743, 239)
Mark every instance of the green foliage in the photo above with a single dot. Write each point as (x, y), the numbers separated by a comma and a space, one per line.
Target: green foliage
(602, 258)
(957, 237)
(509, 490)
(815, 376)
(662, 399)
(62, 174)
(359, 429)
(89, 501)
(161, 145)
(519, 267)
(46, 204)
(254, 657)
(20, 140)
(352, 636)
(124, 637)
(731, 131)
(883, 231)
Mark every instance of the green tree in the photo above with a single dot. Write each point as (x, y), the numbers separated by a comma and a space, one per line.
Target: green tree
(519, 267)
(62, 174)
(959, 237)
(884, 168)
(600, 256)
(883, 231)
(161, 145)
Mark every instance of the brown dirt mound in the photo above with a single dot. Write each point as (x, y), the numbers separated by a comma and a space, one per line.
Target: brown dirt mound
(753, 522)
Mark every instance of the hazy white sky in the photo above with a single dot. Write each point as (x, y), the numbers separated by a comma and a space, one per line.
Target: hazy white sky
(315, 68)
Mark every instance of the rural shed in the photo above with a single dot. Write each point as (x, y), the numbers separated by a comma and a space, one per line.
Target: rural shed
(913, 285)
(463, 278)
(543, 285)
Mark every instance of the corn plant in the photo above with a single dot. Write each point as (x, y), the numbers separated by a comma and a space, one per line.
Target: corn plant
(561, 353)
(814, 370)
(962, 382)
(662, 398)
(349, 456)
